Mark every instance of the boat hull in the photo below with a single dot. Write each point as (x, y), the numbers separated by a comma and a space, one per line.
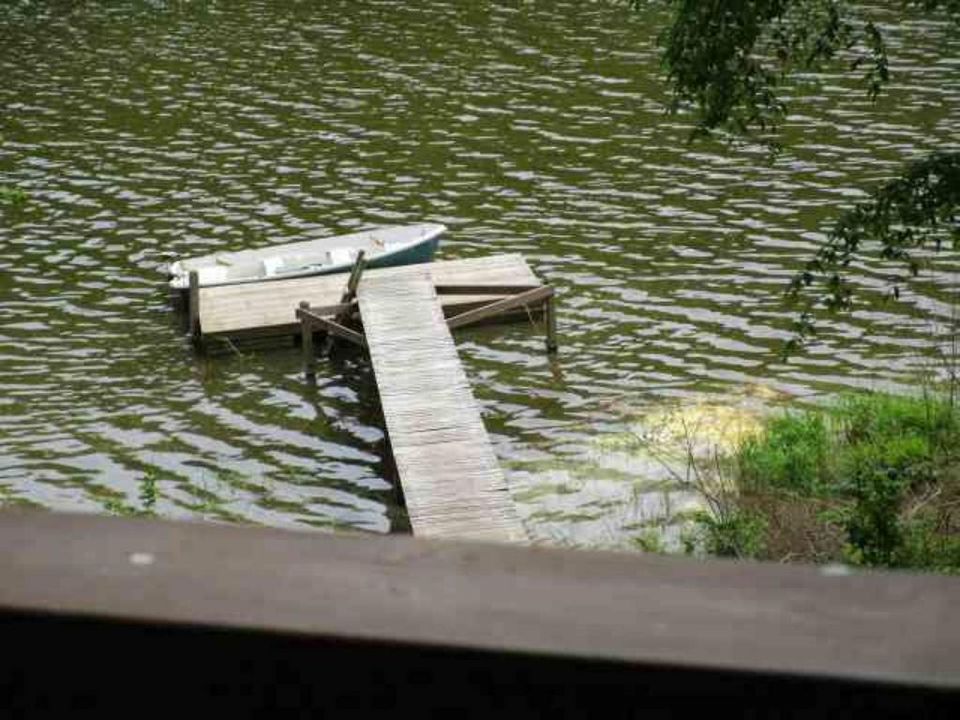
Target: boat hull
(413, 255)
(383, 247)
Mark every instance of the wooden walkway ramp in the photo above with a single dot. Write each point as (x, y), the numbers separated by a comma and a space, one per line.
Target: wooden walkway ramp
(451, 480)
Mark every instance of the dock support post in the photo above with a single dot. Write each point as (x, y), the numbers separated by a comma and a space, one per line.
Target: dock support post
(193, 308)
(306, 342)
(348, 296)
(550, 318)
(355, 275)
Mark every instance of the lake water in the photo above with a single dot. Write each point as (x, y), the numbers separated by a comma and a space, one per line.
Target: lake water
(146, 131)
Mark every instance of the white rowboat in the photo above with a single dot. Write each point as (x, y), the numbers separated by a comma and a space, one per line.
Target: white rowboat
(383, 247)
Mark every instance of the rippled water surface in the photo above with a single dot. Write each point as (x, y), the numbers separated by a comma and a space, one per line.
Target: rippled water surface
(146, 131)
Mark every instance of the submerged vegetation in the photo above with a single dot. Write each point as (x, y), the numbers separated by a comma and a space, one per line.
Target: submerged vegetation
(873, 480)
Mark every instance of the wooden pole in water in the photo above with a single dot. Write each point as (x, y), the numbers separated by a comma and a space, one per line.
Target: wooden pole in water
(193, 305)
(550, 318)
(306, 342)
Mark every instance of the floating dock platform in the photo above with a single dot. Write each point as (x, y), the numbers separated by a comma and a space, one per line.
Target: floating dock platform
(267, 308)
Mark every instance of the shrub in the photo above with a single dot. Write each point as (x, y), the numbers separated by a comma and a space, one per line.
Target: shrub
(879, 470)
(928, 545)
(740, 534)
(876, 417)
(791, 454)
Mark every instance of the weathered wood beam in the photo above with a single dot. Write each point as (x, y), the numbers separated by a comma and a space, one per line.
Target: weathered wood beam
(530, 297)
(834, 640)
(484, 289)
(332, 327)
(306, 340)
(327, 310)
(550, 320)
(355, 274)
(336, 328)
(193, 305)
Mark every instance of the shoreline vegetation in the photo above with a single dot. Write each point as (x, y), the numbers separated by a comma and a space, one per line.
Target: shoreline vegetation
(871, 480)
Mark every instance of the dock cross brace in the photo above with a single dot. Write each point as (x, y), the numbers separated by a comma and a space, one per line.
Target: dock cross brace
(332, 319)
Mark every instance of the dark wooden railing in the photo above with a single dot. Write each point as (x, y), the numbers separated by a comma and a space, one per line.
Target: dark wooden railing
(102, 614)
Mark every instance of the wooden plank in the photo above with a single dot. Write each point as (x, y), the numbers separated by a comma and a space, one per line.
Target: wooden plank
(636, 610)
(306, 341)
(328, 310)
(529, 297)
(452, 482)
(355, 274)
(483, 289)
(267, 307)
(193, 306)
(550, 320)
(332, 327)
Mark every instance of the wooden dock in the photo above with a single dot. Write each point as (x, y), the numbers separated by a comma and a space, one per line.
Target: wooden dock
(452, 483)
(451, 479)
(267, 308)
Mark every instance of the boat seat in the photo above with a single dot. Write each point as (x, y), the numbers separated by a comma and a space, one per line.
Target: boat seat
(272, 265)
(343, 255)
(238, 271)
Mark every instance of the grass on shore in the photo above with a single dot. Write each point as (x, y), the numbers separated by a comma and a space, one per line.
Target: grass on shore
(873, 480)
